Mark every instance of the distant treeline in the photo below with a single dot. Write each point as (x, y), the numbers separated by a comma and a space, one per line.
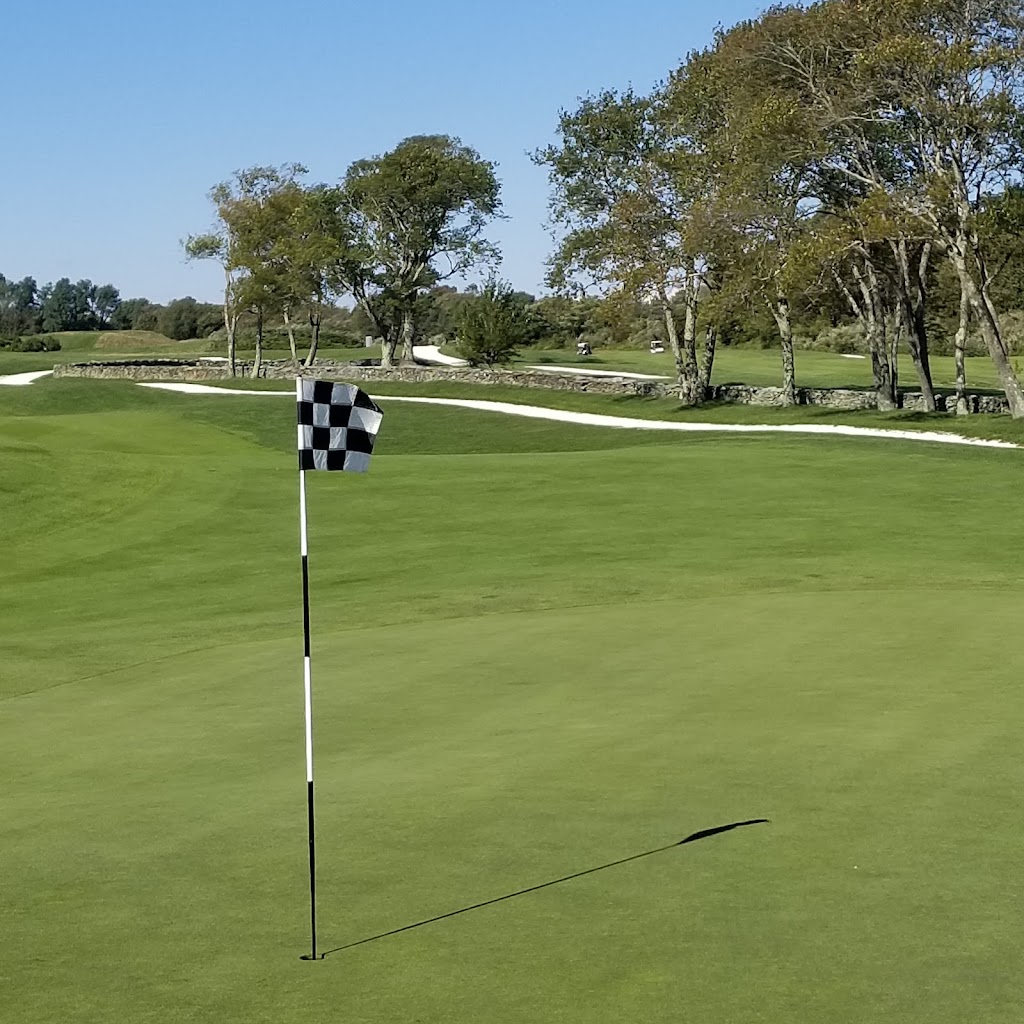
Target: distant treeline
(27, 308)
(554, 321)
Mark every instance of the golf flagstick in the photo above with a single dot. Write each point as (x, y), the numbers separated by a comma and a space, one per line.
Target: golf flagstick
(338, 425)
(308, 680)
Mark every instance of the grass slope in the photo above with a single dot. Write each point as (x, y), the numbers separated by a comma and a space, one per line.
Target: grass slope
(526, 664)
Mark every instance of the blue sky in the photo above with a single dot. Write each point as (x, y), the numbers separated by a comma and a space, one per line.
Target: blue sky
(120, 116)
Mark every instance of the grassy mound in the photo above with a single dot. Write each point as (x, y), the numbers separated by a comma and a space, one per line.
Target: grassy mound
(134, 341)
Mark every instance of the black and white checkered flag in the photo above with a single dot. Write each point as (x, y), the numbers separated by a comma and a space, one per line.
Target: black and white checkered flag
(338, 424)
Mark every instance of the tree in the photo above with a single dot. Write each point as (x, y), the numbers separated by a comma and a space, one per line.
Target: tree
(919, 106)
(19, 307)
(621, 193)
(309, 257)
(492, 325)
(217, 246)
(258, 212)
(65, 306)
(179, 319)
(414, 217)
(757, 149)
(239, 240)
(105, 301)
(135, 315)
(812, 62)
(954, 71)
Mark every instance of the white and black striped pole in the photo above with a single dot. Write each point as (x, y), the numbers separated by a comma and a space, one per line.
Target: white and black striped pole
(308, 679)
(337, 427)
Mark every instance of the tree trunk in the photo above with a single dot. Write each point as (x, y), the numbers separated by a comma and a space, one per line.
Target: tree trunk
(314, 343)
(290, 328)
(881, 371)
(783, 320)
(912, 289)
(895, 333)
(959, 344)
(686, 378)
(383, 329)
(917, 343)
(230, 320)
(961, 246)
(991, 332)
(408, 337)
(232, 367)
(708, 362)
(695, 391)
(874, 322)
(258, 361)
(388, 345)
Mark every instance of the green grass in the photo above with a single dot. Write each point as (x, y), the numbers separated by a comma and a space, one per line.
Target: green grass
(995, 427)
(762, 367)
(529, 660)
(90, 346)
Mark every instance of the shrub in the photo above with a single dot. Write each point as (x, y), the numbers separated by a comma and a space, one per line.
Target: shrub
(1012, 324)
(847, 338)
(35, 343)
(492, 325)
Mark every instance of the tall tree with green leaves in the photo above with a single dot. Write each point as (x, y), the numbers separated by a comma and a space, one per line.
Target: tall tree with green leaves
(758, 150)
(247, 228)
(64, 306)
(217, 247)
(19, 307)
(621, 195)
(416, 216)
(920, 104)
(260, 214)
(812, 61)
(105, 302)
(954, 71)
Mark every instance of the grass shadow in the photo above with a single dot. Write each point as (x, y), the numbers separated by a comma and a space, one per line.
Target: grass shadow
(692, 838)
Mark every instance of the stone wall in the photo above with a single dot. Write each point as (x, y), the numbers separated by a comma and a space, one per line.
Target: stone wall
(742, 394)
(152, 369)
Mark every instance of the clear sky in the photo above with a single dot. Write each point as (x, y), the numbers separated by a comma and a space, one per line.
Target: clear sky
(121, 115)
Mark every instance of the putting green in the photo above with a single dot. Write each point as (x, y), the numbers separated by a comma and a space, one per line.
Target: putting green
(526, 665)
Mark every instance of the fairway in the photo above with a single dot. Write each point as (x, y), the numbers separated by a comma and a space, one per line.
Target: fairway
(538, 648)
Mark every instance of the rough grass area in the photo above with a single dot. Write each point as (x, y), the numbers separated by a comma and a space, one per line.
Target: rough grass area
(529, 660)
(134, 341)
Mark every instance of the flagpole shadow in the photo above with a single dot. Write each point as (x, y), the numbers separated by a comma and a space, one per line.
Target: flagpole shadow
(692, 838)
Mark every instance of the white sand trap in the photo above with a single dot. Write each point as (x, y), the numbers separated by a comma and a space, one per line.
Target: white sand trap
(585, 371)
(536, 412)
(432, 354)
(205, 389)
(843, 355)
(20, 379)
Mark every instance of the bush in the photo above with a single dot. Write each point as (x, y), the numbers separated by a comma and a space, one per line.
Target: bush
(1012, 324)
(492, 325)
(845, 339)
(35, 343)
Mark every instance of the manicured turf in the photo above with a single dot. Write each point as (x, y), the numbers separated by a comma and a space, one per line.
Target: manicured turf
(763, 367)
(991, 426)
(527, 664)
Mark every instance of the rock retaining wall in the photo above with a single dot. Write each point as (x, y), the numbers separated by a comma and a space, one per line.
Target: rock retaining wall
(742, 394)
